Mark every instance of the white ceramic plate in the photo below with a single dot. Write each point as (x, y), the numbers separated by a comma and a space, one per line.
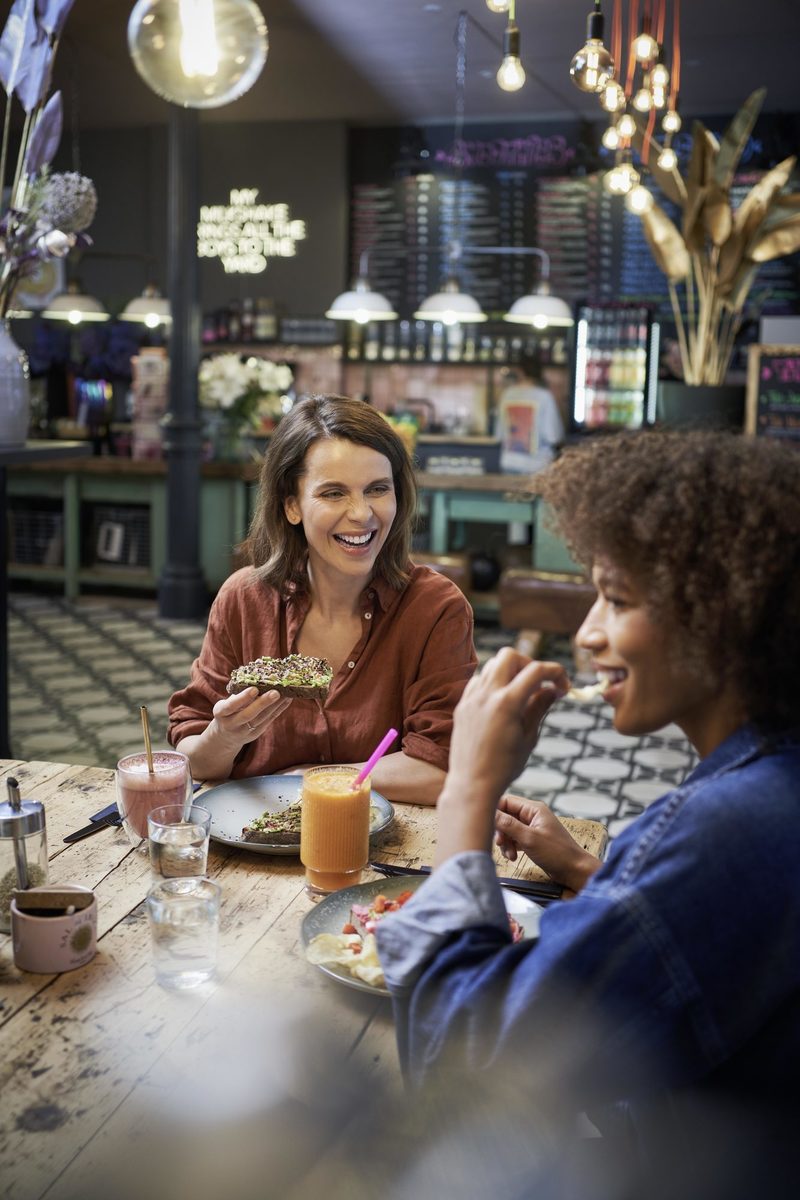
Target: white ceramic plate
(239, 801)
(330, 914)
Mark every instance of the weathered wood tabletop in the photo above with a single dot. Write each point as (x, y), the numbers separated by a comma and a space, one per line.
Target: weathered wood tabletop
(83, 1054)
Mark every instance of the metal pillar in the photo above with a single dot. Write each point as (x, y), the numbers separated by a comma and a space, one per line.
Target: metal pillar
(182, 590)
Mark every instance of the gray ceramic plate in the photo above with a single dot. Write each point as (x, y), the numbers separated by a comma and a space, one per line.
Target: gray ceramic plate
(234, 804)
(330, 914)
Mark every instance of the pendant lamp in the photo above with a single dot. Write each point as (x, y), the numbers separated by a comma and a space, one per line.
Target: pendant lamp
(150, 309)
(361, 303)
(75, 306)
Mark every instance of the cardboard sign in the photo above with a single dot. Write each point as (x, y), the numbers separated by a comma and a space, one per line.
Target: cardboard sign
(773, 392)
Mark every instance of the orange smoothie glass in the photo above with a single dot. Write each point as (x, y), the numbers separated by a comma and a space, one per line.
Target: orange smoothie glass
(334, 828)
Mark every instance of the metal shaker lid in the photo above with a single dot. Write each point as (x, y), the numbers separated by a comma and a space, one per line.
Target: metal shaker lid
(20, 817)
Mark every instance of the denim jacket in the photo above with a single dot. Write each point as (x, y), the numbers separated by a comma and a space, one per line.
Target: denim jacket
(677, 966)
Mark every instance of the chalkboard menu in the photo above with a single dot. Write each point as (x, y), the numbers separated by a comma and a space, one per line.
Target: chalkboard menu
(773, 392)
(414, 192)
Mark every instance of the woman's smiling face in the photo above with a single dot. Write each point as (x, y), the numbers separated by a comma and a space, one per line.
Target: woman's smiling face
(650, 682)
(346, 502)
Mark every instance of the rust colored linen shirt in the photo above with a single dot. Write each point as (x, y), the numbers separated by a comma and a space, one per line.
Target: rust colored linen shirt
(407, 671)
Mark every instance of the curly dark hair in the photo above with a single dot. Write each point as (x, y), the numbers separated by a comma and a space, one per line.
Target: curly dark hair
(277, 549)
(708, 525)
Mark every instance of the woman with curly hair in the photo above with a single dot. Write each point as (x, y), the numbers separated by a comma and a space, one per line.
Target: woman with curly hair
(674, 969)
(331, 578)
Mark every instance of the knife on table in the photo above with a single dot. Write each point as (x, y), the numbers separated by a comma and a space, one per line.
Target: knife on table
(543, 892)
(102, 820)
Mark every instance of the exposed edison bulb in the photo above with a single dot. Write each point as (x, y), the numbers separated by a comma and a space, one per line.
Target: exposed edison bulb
(667, 159)
(198, 53)
(671, 121)
(645, 47)
(498, 6)
(626, 126)
(621, 179)
(659, 76)
(643, 101)
(592, 67)
(639, 199)
(658, 96)
(611, 138)
(511, 74)
(612, 97)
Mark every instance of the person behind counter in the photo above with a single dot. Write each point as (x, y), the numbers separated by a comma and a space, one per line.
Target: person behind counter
(530, 426)
(331, 577)
(681, 953)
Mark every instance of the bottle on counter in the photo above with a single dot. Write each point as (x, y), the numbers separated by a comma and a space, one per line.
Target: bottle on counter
(404, 340)
(372, 341)
(208, 335)
(420, 351)
(223, 328)
(389, 347)
(234, 321)
(248, 319)
(265, 327)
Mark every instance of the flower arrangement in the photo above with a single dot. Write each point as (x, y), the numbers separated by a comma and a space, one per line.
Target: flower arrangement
(717, 251)
(249, 393)
(47, 213)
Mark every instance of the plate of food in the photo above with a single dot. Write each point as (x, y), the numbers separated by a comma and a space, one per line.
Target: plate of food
(339, 932)
(263, 813)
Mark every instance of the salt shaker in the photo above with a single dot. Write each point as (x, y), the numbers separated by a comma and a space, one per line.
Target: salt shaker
(23, 848)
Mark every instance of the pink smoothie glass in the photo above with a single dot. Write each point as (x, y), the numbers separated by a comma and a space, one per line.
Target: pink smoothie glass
(139, 792)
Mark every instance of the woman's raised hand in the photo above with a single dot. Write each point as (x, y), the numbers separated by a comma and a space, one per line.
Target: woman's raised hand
(496, 723)
(243, 717)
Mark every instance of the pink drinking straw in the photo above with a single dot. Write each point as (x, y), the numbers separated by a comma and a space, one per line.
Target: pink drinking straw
(378, 752)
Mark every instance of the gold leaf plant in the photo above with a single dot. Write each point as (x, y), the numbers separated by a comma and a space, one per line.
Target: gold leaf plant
(717, 251)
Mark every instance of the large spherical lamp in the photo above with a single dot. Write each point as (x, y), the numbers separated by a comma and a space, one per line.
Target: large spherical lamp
(198, 53)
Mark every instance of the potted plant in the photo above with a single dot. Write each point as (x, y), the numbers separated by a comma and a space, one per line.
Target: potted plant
(42, 215)
(242, 398)
(711, 261)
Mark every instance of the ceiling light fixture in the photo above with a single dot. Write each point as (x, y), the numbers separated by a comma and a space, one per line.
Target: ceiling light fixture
(592, 67)
(75, 306)
(198, 53)
(361, 303)
(511, 73)
(497, 6)
(150, 309)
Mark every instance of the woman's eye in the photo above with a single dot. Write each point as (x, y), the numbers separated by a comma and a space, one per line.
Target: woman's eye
(332, 495)
(380, 489)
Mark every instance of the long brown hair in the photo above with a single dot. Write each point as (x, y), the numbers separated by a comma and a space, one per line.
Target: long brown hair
(278, 549)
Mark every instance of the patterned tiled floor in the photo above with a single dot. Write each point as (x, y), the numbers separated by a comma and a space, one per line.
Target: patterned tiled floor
(79, 672)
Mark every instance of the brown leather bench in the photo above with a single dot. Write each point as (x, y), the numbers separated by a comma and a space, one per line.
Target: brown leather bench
(535, 603)
(454, 566)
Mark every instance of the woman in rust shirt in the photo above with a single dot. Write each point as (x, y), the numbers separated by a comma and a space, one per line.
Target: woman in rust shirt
(331, 577)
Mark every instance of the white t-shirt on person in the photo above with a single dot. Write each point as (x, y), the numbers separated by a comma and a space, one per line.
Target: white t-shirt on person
(530, 428)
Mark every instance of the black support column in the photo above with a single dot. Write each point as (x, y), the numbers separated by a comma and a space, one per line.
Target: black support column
(182, 590)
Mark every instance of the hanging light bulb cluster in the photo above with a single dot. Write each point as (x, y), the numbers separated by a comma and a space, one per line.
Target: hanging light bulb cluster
(649, 87)
(510, 73)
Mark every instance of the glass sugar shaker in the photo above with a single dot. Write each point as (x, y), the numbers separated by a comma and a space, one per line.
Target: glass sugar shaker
(23, 848)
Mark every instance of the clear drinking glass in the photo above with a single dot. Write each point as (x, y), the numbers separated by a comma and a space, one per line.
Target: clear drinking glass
(178, 840)
(184, 924)
(139, 791)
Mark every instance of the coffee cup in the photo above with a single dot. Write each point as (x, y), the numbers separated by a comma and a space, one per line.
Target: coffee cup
(53, 929)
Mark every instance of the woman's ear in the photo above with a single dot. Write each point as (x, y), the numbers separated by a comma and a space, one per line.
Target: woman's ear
(292, 510)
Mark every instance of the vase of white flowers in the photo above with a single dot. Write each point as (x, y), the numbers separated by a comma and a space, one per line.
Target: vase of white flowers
(241, 398)
(46, 214)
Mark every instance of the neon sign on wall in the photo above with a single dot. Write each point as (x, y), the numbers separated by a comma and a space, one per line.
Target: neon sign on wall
(243, 234)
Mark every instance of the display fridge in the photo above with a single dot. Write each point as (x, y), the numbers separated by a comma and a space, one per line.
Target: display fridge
(616, 367)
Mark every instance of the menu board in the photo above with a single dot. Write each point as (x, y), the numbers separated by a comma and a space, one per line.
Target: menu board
(773, 392)
(415, 193)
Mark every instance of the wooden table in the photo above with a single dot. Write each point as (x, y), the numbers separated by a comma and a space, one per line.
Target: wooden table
(88, 1059)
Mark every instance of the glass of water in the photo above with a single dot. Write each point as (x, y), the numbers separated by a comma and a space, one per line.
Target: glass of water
(178, 840)
(184, 924)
